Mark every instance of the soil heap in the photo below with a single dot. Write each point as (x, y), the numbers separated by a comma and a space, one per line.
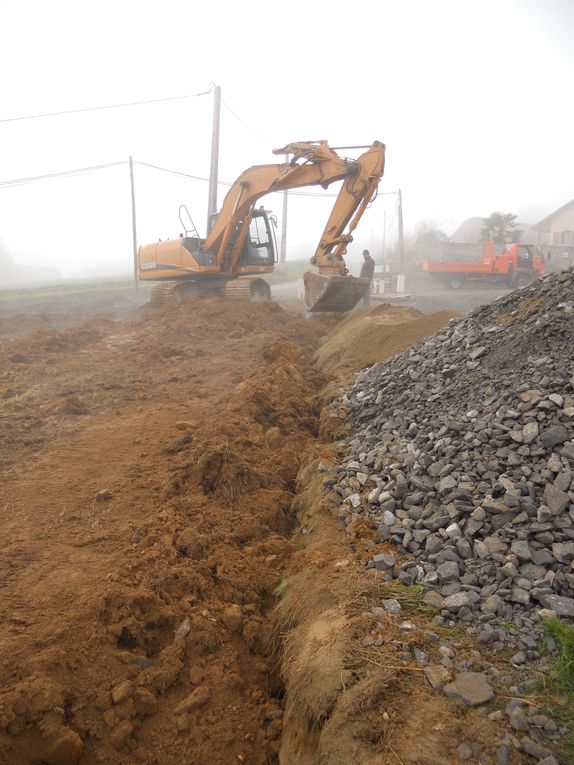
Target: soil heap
(365, 337)
(462, 454)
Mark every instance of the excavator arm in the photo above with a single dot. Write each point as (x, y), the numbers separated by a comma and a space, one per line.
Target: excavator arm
(314, 163)
(320, 166)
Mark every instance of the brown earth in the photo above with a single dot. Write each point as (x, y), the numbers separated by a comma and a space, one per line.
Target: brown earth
(147, 471)
(366, 337)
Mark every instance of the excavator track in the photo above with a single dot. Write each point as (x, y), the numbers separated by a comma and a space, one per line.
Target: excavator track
(257, 290)
(162, 294)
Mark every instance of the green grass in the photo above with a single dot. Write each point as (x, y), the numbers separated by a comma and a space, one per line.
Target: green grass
(69, 289)
(409, 596)
(561, 681)
(281, 590)
(562, 675)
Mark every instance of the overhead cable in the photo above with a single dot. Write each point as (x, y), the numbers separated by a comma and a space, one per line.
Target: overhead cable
(247, 125)
(61, 174)
(106, 106)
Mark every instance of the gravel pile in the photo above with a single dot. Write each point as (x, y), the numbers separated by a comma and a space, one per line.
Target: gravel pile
(463, 456)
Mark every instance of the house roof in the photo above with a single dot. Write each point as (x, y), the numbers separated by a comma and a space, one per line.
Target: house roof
(545, 222)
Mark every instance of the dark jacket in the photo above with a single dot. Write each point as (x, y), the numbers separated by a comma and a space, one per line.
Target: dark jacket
(368, 268)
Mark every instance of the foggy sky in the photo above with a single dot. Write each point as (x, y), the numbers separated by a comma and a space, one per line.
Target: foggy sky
(473, 100)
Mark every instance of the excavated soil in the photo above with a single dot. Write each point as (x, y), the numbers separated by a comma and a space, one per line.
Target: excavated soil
(366, 337)
(147, 476)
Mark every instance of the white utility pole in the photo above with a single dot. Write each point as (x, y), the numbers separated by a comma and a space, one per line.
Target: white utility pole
(283, 254)
(213, 170)
(134, 230)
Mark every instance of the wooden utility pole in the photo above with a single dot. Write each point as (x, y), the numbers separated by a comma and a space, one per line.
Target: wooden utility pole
(212, 200)
(401, 242)
(283, 255)
(134, 230)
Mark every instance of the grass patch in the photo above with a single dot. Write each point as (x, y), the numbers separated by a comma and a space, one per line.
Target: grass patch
(562, 674)
(561, 681)
(409, 596)
(281, 590)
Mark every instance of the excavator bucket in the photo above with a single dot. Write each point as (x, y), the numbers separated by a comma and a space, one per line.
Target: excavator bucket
(332, 293)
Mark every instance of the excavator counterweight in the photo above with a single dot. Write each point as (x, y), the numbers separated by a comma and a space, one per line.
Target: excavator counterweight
(240, 244)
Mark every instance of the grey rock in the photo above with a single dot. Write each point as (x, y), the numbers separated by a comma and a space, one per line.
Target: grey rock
(553, 436)
(492, 605)
(518, 720)
(464, 752)
(433, 599)
(421, 657)
(518, 595)
(384, 561)
(448, 571)
(502, 756)
(520, 548)
(555, 499)
(533, 748)
(460, 600)
(446, 483)
(392, 606)
(437, 675)
(561, 605)
(529, 432)
(563, 551)
(389, 518)
(354, 499)
(470, 687)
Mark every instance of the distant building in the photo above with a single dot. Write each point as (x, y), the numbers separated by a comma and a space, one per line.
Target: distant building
(558, 227)
(557, 236)
(469, 231)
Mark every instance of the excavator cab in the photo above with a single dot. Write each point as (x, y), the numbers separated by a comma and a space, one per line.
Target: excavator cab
(259, 248)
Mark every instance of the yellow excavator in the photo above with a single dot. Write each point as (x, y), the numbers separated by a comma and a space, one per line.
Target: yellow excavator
(241, 242)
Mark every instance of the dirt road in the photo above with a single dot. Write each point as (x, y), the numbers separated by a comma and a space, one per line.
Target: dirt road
(147, 470)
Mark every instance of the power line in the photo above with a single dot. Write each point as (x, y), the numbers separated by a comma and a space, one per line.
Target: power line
(92, 168)
(107, 106)
(226, 183)
(249, 127)
(60, 174)
(177, 172)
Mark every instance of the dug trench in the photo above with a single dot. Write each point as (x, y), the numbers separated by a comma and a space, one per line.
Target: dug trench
(176, 587)
(148, 470)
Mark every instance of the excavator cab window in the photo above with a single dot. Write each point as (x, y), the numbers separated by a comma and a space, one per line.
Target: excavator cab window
(260, 249)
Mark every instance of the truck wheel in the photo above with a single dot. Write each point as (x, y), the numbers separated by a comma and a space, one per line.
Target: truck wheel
(455, 282)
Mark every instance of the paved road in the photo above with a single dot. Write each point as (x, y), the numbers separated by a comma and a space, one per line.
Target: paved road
(423, 299)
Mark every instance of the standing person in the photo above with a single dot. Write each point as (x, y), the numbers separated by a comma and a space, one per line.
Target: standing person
(367, 271)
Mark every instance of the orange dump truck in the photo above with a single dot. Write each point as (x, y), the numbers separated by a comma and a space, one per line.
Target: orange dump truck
(517, 266)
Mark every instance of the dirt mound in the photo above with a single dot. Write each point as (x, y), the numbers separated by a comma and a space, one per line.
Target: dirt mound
(139, 628)
(366, 337)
